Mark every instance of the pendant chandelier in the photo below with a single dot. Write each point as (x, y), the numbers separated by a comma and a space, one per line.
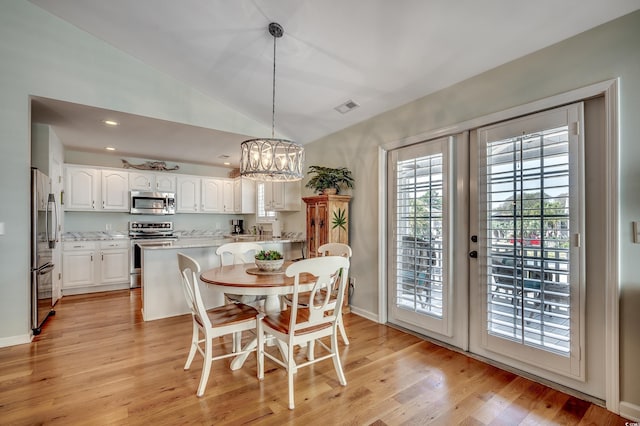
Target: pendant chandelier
(272, 159)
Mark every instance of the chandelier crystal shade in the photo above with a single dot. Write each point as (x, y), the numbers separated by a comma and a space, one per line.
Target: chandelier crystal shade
(271, 159)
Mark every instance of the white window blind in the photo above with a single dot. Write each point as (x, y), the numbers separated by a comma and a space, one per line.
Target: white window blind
(528, 235)
(419, 235)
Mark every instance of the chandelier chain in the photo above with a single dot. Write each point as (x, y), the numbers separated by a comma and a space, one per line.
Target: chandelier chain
(273, 97)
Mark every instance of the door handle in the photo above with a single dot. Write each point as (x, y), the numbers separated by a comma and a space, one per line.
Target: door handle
(473, 254)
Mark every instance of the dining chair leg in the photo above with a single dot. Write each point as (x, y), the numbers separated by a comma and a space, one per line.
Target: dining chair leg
(343, 332)
(194, 346)
(291, 370)
(311, 345)
(206, 367)
(260, 350)
(336, 360)
(237, 341)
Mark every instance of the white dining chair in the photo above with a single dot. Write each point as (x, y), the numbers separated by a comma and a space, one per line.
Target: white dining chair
(301, 325)
(329, 249)
(337, 249)
(237, 254)
(227, 319)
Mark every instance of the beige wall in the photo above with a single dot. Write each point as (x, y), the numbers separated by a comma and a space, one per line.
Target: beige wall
(603, 53)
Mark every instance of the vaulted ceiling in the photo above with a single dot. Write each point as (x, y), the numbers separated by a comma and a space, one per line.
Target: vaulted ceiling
(379, 54)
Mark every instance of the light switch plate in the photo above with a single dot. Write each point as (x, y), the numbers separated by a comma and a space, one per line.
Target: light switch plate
(1, 228)
(636, 232)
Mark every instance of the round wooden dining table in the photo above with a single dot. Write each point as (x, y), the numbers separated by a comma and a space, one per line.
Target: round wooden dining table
(235, 279)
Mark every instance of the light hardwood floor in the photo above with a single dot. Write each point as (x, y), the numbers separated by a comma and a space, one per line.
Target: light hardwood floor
(96, 363)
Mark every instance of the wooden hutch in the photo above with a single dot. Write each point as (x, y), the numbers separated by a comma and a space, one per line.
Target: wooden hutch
(327, 222)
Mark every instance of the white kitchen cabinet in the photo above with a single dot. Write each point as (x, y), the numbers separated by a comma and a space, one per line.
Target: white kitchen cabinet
(78, 266)
(157, 182)
(227, 196)
(282, 196)
(114, 262)
(91, 266)
(93, 189)
(82, 188)
(188, 194)
(115, 190)
(211, 199)
(244, 196)
(197, 194)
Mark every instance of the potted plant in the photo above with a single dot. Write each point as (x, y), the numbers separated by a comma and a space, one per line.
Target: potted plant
(269, 260)
(328, 180)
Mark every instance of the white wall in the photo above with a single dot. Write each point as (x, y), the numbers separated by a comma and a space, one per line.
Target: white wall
(41, 55)
(604, 53)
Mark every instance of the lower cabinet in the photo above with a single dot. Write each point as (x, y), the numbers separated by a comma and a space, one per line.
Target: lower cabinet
(91, 266)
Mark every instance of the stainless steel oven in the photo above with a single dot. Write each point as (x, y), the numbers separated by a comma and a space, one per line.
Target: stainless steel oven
(141, 233)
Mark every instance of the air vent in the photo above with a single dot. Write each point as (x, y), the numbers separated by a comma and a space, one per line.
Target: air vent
(223, 156)
(347, 106)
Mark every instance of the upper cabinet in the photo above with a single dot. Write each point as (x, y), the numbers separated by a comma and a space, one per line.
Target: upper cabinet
(188, 194)
(244, 196)
(115, 194)
(157, 182)
(282, 196)
(211, 195)
(89, 189)
(105, 189)
(82, 188)
(227, 196)
(197, 194)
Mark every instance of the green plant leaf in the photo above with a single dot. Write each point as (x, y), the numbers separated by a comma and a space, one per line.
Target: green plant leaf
(339, 219)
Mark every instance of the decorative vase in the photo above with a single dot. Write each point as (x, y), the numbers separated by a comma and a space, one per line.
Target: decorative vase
(269, 265)
(330, 191)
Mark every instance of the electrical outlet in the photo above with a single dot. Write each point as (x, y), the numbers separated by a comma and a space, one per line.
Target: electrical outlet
(1, 228)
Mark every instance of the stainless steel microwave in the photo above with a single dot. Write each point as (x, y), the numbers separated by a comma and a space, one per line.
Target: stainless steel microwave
(143, 202)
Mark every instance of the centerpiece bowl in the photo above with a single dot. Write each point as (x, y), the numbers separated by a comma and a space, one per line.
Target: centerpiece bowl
(269, 265)
(269, 260)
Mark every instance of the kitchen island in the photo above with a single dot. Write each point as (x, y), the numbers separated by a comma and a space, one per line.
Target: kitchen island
(161, 289)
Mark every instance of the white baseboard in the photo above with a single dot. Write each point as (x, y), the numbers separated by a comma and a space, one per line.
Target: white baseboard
(366, 314)
(14, 340)
(630, 411)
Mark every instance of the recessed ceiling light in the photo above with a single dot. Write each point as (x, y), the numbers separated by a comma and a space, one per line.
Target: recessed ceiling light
(109, 148)
(110, 122)
(226, 163)
(347, 106)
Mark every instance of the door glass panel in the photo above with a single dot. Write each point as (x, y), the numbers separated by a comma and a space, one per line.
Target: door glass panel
(528, 235)
(530, 225)
(418, 260)
(419, 243)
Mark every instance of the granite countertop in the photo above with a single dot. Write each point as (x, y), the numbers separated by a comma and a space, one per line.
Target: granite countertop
(186, 239)
(95, 236)
(215, 241)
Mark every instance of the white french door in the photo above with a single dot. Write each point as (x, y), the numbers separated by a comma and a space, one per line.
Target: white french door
(487, 242)
(423, 208)
(528, 218)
